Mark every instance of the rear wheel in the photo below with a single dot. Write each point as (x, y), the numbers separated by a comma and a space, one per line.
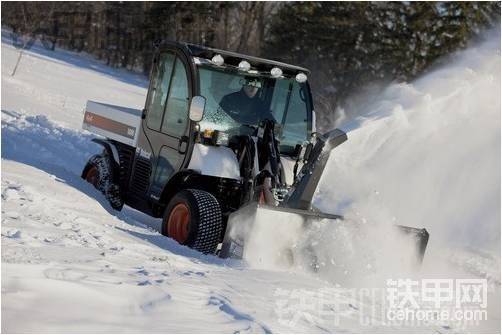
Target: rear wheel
(92, 175)
(99, 172)
(193, 218)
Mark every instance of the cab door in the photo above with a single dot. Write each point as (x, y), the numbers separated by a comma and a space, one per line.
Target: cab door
(164, 141)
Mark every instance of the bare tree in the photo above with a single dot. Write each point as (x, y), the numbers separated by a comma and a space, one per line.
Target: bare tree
(26, 34)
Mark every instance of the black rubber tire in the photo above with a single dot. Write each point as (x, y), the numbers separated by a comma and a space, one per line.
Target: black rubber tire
(206, 223)
(105, 183)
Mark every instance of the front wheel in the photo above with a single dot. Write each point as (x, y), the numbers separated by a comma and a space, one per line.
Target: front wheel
(193, 218)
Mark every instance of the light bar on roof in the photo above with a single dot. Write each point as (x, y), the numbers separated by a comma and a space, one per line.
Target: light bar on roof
(276, 72)
(244, 66)
(301, 77)
(218, 60)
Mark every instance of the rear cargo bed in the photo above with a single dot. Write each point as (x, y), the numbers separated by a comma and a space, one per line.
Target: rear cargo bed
(115, 122)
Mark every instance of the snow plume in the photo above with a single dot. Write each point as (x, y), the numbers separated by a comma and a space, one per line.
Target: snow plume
(424, 154)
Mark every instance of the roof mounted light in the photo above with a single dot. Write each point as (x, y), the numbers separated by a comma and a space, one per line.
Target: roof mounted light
(301, 77)
(218, 60)
(244, 66)
(276, 72)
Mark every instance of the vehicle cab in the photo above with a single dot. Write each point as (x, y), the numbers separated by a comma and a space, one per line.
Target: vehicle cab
(171, 141)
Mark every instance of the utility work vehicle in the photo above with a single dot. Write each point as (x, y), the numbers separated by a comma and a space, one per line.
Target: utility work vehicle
(223, 139)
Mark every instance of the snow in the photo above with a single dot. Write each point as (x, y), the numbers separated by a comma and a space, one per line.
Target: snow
(427, 154)
(73, 264)
(431, 149)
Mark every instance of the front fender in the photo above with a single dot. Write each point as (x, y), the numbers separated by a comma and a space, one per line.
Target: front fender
(215, 161)
(110, 148)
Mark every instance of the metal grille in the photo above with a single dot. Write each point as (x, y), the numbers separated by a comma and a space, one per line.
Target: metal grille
(141, 176)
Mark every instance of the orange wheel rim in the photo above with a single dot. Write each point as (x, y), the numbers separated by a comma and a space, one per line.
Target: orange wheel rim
(178, 223)
(92, 176)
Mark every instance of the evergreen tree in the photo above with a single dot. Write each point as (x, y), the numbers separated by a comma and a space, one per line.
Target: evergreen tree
(350, 44)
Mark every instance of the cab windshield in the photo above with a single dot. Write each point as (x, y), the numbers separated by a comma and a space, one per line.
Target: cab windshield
(234, 100)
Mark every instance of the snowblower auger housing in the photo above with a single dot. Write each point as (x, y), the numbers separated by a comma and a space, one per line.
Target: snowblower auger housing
(221, 134)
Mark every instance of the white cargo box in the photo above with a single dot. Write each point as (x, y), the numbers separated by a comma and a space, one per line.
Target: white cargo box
(115, 122)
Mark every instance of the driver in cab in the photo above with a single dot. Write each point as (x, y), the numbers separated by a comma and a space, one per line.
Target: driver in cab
(245, 105)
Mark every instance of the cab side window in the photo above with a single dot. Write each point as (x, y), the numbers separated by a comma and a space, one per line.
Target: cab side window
(296, 123)
(176, 115)
(159, 91)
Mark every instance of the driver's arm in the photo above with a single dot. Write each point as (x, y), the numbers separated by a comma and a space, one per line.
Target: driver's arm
(266, 114)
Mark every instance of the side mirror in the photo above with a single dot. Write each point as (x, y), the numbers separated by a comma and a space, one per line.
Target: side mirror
(197, 108)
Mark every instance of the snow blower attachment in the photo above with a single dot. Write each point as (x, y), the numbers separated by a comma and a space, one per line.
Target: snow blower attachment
(292, 213)
(225, 144)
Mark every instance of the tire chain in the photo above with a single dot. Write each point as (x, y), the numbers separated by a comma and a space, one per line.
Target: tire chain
(105, 184)
(210, 226)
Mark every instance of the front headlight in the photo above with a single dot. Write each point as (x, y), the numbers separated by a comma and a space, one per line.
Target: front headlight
(214, 137)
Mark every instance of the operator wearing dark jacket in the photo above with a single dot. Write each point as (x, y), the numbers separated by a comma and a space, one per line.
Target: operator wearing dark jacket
(245, 106)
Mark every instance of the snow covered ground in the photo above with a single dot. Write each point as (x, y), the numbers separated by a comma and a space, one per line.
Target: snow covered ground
(70, 263)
